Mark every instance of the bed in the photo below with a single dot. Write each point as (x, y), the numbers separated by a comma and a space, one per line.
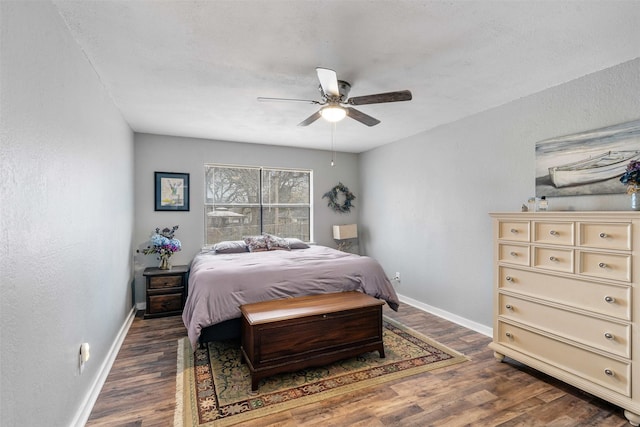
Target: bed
(221, 281)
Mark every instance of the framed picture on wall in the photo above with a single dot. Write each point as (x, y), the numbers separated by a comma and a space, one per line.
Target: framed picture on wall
(587, 163)
(172, 191)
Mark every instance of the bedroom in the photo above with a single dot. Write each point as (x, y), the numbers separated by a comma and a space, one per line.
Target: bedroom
(77, 175)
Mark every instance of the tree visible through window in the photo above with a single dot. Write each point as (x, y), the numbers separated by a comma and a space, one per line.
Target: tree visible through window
(247, 201)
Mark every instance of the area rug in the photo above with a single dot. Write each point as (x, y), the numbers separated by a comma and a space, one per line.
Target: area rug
(213, 389)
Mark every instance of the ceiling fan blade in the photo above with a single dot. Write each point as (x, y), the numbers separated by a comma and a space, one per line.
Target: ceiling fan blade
(328, 81)
(306, 101)
(361, 117)
(402, 95)
(312, 118)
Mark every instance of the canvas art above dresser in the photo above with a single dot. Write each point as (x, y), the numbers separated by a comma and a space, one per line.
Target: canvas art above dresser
(564, 287)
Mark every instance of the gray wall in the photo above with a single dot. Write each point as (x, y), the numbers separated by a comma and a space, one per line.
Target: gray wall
(189, 155)
(70, 226)
(425, 200)
(66, 219)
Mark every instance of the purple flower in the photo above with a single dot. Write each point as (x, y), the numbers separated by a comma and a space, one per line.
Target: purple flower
(163, 242)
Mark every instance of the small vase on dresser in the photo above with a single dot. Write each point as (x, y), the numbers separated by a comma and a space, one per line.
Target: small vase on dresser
(564, 286)
(635, 201)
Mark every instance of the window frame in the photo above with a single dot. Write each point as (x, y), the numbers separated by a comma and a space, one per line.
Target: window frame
(261, 204)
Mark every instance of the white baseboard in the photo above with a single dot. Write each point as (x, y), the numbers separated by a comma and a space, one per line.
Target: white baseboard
(470, 324)
(90, 399)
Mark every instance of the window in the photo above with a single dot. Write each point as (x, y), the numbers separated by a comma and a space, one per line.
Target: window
(247, 201)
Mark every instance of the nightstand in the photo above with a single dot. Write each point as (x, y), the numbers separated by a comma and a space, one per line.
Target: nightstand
(166, 290)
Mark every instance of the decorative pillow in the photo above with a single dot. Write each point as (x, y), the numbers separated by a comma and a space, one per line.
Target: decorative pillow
(276, 243)
(257, 243)
(230, 247)
(296, 243)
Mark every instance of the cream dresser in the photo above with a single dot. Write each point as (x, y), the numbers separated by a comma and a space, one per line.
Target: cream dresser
(564, 299)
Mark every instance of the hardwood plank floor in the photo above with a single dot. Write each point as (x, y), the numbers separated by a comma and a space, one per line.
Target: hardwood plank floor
(140, 390)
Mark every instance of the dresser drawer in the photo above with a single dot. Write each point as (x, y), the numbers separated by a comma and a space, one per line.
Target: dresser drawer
(605, 235)
(603, 334)
(607, 372)
(601, 298)
(606, 266)
(514, 254)
(516, 231)
(557, 233)
(162, 282)
(555, 259)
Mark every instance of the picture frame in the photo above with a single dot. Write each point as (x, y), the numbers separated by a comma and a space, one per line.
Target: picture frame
(587, 163)
(171, 191)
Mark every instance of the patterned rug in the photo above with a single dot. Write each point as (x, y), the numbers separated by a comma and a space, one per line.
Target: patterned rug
(214, 389)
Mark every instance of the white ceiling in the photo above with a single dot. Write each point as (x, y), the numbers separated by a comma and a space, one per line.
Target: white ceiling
(195, 68)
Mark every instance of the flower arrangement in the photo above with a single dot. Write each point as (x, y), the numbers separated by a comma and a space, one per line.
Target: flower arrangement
(631, 177)
(164, 244)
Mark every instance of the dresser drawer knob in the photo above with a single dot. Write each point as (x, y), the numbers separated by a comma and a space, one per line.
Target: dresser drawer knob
(554, 233)
(609, 299)
(602, 265)
(513, 253)
(603, 235)
(608, 335)
(509, 307)
(509, 279)
(514, 230)
(552, 258)
(509, 335)
(608, 372)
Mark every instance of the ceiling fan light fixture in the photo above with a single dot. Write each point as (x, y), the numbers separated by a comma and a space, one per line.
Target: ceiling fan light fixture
(333, 113)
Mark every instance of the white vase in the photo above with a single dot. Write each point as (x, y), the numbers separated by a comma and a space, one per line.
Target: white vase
(635, 201)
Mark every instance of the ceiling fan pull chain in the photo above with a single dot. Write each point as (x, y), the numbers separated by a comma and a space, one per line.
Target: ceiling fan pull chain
(333, 151)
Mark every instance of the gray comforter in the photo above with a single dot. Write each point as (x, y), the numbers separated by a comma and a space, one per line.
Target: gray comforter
(220, 283)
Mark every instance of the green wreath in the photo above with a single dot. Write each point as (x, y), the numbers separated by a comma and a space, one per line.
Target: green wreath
(334, 204)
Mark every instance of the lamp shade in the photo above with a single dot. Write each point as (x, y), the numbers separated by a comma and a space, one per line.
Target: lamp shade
(342, 232)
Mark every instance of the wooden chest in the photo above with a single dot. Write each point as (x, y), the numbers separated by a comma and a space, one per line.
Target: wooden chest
(295, 333)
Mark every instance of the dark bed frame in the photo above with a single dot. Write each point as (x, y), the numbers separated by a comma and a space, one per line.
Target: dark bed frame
(227, 330)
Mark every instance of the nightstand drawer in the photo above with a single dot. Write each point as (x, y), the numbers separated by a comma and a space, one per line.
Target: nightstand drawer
(165, 303)
(163, 282)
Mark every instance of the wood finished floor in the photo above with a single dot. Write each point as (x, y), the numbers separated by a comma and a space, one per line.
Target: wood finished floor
(140, 389)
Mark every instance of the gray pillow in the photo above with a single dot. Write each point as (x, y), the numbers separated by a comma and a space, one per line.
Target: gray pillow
(230, 247)
(296, 243)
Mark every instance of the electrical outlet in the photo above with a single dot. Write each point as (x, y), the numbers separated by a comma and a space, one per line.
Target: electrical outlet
(396, 278)
(83, 355)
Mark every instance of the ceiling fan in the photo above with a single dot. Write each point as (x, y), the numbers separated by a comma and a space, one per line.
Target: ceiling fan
(335, 104)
